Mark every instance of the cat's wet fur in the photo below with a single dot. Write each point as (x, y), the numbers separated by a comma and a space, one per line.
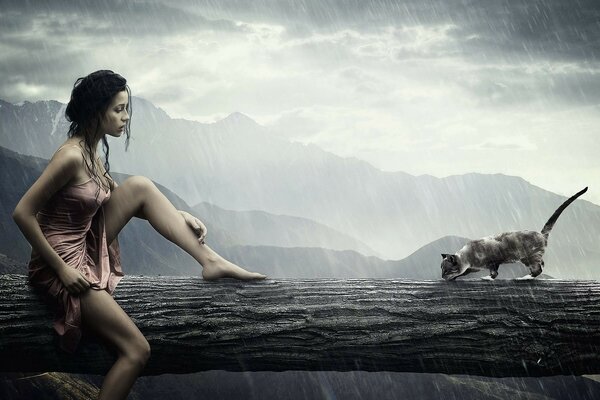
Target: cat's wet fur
(527, 247)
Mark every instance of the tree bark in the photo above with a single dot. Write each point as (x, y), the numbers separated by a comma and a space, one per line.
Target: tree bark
(501, 328)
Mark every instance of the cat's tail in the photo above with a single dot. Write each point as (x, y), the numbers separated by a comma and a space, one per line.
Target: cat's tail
(548, 227)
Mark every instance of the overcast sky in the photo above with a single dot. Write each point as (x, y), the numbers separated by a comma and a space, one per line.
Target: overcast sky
(426, 87)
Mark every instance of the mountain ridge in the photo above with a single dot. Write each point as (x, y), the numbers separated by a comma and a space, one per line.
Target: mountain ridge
(247, 167)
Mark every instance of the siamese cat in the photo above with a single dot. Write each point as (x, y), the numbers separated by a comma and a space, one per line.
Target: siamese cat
(527, 247)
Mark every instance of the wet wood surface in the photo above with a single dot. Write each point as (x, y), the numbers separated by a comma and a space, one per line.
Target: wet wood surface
(501, 328)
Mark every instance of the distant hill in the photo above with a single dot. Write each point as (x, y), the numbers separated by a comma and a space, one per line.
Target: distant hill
(260, 228)
(11, 266)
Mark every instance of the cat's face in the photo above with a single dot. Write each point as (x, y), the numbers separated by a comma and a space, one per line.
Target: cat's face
(451, 268)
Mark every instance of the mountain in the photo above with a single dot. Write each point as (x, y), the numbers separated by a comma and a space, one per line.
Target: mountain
(144, 251)
(17, 173)
(239, 165)
(259, 228)
(11, 266)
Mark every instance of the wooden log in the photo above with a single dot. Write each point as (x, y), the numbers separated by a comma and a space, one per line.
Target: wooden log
(501, 328)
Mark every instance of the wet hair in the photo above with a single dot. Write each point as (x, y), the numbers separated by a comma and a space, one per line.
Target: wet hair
(90, 99)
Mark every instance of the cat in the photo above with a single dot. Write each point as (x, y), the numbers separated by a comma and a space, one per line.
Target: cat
(528, 247)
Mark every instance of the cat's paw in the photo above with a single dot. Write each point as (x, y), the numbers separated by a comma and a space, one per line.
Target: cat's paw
(525, 278)
(487, 278)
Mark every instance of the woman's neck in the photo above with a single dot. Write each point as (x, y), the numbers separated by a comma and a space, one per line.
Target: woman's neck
(81, 141)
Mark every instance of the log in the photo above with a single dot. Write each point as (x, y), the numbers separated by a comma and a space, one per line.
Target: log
(501, 328)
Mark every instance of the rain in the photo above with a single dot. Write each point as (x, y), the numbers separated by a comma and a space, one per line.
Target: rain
(339, 147)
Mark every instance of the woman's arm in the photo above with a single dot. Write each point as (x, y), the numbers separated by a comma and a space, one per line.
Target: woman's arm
(58, 173)
(196, 225)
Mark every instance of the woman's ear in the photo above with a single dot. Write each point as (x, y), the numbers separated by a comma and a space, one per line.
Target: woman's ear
(99, 120)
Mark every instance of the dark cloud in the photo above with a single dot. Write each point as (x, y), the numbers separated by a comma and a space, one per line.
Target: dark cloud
(536, 28)
(552, 28)
(41, 39)
(107, 17)
(50, 43)
(533, 28)
(500, 87)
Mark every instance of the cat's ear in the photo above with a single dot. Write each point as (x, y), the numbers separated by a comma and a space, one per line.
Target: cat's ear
(449, 257)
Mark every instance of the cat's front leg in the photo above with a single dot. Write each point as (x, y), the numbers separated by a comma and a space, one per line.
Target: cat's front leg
(493, 273)
(525, 278)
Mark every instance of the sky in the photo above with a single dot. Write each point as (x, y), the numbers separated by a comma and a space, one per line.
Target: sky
(439, 87)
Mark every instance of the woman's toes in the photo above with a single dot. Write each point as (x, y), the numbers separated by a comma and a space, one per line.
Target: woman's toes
(226, 269)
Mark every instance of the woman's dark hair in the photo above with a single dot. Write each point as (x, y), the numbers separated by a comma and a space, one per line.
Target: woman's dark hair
(90, 99)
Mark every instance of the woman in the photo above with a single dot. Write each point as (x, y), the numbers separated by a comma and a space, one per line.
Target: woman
(72, 215)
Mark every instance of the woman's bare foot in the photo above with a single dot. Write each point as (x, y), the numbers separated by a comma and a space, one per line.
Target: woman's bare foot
(221, 268)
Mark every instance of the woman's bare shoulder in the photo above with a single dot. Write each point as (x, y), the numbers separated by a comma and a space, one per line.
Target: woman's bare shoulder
(63, 166)
(67, 160)
(68, 149)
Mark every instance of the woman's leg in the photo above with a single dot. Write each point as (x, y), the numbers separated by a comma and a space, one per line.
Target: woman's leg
(139, 196)
(101, 315)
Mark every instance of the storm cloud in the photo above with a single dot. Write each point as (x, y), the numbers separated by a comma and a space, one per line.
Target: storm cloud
(426, 87)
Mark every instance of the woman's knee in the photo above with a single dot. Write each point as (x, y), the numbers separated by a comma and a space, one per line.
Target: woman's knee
(138, 351)
(139, 183)
(103, 316)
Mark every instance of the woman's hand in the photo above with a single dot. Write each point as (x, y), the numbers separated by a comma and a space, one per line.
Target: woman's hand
(73, 280)
(196, 225)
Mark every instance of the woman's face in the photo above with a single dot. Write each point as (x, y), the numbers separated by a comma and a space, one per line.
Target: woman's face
(116, 116)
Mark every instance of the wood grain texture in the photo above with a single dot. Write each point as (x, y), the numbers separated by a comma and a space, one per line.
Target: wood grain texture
(502, 328)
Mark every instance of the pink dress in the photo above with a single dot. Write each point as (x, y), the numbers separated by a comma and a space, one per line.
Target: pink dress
(73, 223)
